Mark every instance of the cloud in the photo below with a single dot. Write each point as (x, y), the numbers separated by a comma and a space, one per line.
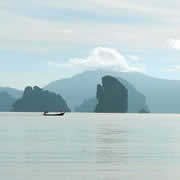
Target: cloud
(134, 58)
(151, 7)
(44, 28)
(27, 32)
(174, 43)
(99, 58)
(174, 69)
(24, 28)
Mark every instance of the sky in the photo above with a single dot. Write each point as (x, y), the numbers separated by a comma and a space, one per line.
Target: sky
(45, 40)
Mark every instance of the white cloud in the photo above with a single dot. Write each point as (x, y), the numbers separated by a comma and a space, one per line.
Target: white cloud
(21, 31)
(168, 12)
(106, 6)
(100, 58)
(174, 43)
(174, 69)
(134, 58)
(24, 28)
(24, 32)
(31, 34)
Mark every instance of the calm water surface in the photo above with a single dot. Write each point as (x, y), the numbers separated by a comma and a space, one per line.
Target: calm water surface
(89, 146)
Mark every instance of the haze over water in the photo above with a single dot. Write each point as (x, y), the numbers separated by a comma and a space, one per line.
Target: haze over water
(86, 146)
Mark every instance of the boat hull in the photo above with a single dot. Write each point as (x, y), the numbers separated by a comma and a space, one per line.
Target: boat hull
(57, 114)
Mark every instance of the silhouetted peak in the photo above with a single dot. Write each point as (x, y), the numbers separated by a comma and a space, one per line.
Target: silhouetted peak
(37, 100)
(112, 96)
(37, 89)
(28, 90)
(110, 82)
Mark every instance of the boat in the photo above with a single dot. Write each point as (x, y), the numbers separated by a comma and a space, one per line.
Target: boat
(53, 114)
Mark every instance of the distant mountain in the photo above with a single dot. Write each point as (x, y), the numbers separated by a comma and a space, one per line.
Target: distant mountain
(136, 101)
(37, 100)
(162, 95)
(76, 89)
(88, 105)
(6, 102)
(12, 92)
(112, 96)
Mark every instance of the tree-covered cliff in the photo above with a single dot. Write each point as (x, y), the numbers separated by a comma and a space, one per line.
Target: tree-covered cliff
(112, 96)
(37, 100)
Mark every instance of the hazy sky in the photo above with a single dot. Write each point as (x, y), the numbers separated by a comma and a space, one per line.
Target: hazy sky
(45, 40)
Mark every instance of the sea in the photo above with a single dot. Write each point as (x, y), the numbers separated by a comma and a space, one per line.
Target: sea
(89, 146)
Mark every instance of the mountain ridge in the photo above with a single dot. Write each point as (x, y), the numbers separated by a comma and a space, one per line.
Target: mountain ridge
(15, 93)
(161, 94)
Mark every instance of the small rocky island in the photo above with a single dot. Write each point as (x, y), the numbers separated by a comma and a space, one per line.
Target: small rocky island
(39, 100)
(112, 96)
